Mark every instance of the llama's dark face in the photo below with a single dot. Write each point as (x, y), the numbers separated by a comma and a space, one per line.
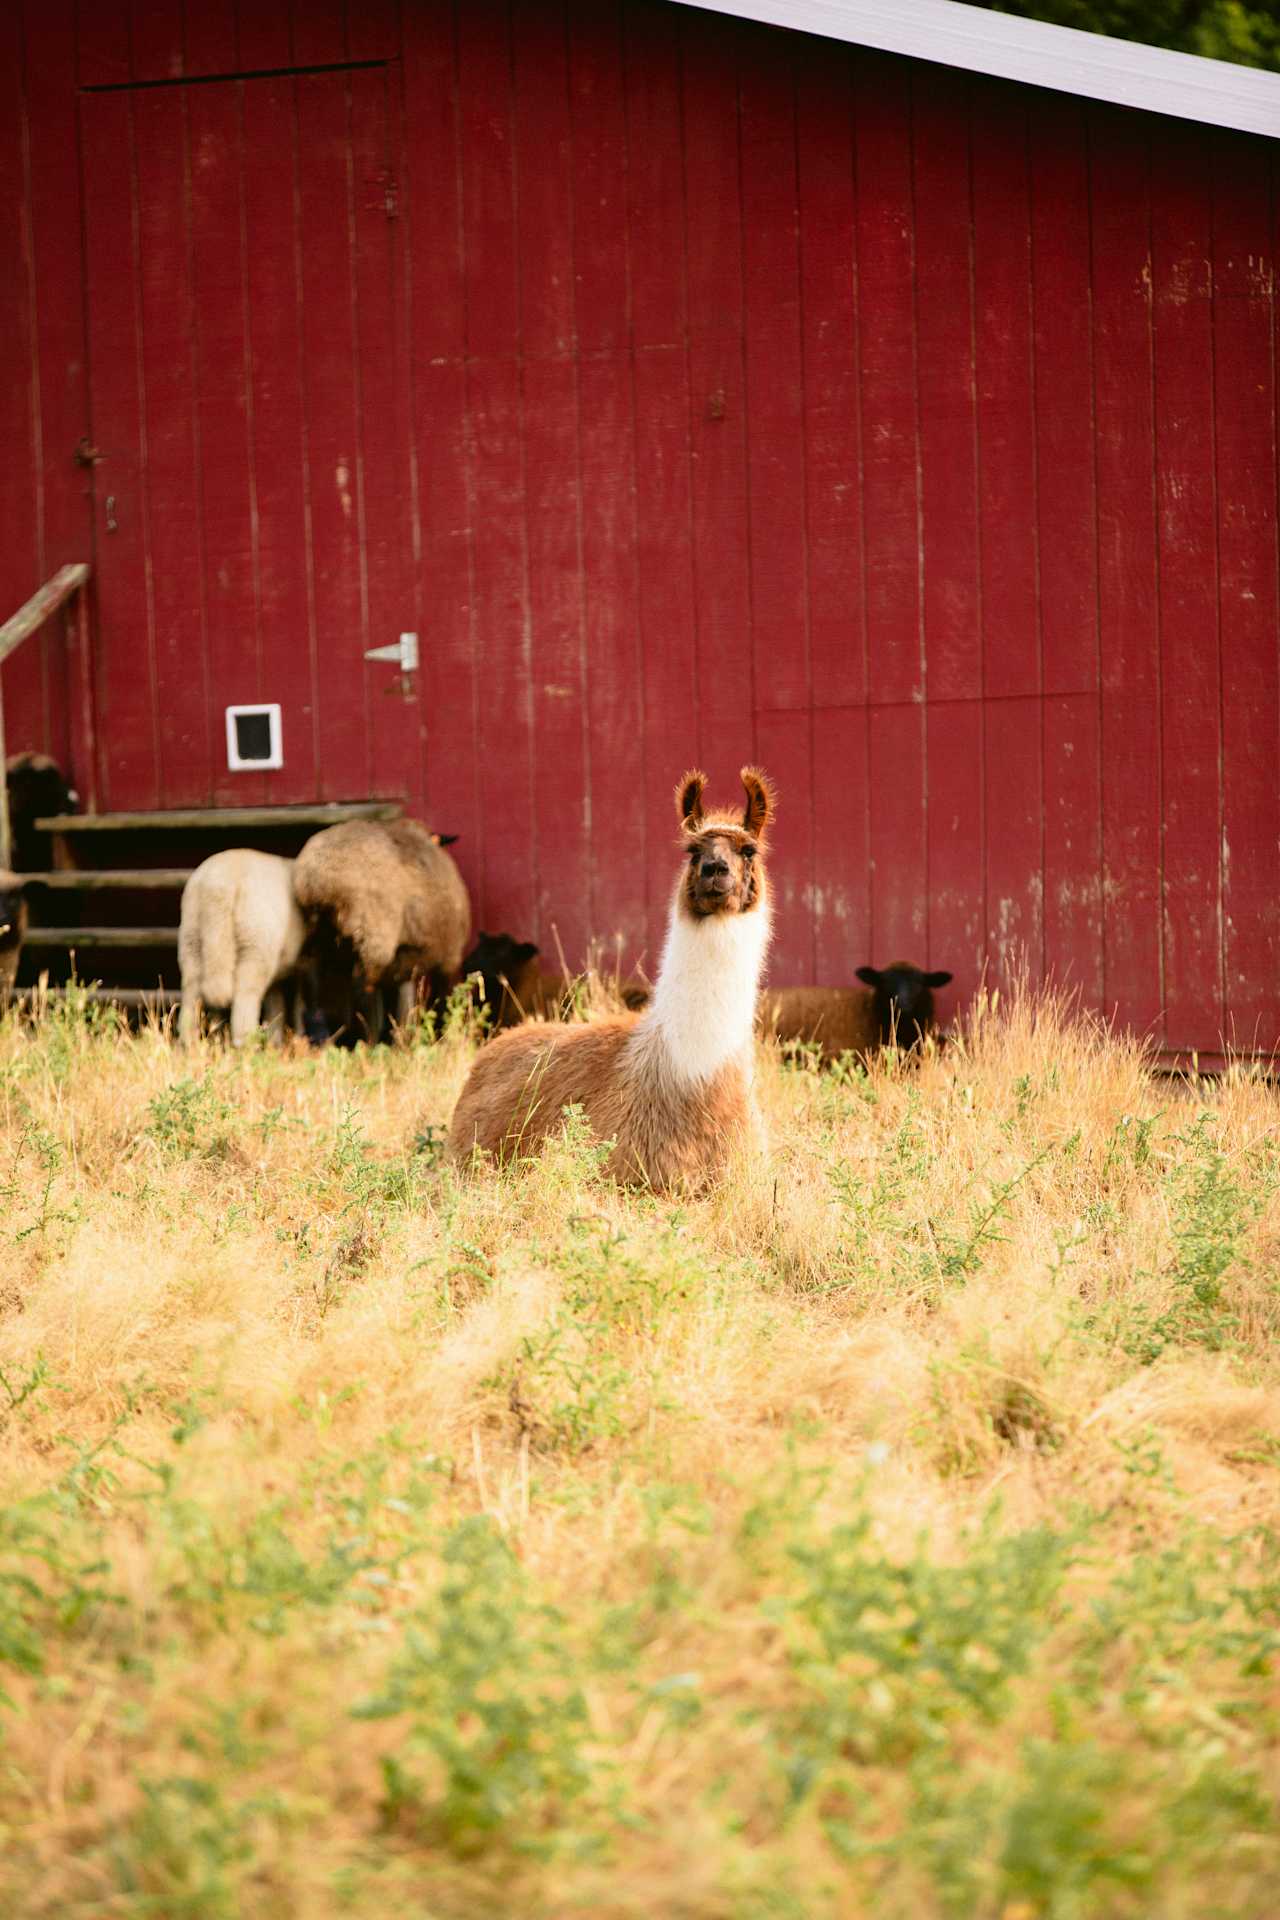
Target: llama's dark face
(724, 854)
(902, 998)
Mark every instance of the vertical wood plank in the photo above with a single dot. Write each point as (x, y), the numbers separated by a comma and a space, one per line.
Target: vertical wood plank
(542, 160)
(319, 32)
(784, 751)
(373, 29)
(172, 488)
(899, 852)
(882, 119)
(1073, 845)
(1244, 255)
(395, 745)
(326, 193)
(102, 46)
(1065, 428)
(666, 608)
(155, 39)
(1013, 810)
(503, 643)
(615, 668)
(1127, 570)
(775, 378)
(282, 524)
(651, 73)
(717, 412)
(948, 425)
(21, 424)
(833, 485)
(561, 920)
(264, 36)
(125, 665)
(957, 865)
(1006, 404)
(209, 37)
(437, 339)
(1190, 683)
(450, 661)
(65, 490)
(490, 249)
(841, 846)
(602, 303)
(231, 520)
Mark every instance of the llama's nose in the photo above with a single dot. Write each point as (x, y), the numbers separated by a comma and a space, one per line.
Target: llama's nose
(715, 869)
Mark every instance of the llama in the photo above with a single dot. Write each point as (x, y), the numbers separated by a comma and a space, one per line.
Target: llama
(671, 1087)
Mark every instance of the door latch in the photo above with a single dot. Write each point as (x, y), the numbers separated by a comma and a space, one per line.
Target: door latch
(403, 651)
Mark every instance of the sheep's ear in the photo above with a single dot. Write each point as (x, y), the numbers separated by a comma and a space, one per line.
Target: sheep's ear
(761, 800)
(869, 976)
(525, 950)
(689, 793)
(937, 979)
(446, 839)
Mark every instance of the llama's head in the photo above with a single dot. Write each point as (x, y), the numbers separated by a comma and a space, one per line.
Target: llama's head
(902, 999)
(724, 848)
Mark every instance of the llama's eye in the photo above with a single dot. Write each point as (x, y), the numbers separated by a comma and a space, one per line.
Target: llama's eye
(748, 853)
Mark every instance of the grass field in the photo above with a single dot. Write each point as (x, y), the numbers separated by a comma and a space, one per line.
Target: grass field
(892, 1532)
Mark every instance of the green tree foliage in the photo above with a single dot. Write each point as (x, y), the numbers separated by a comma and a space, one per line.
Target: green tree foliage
(1218, 29)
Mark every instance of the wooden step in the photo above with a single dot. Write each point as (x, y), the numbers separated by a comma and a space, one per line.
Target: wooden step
(90, 880)
(100, 937)
(222, 819)
(159, 998)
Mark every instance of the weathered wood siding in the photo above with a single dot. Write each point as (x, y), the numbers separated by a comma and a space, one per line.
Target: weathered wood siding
(697, 392)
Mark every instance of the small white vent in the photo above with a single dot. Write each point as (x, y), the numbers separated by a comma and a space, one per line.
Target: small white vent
(253, 739)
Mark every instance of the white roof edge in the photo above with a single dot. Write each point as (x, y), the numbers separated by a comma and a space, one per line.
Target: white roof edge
(1124, 72)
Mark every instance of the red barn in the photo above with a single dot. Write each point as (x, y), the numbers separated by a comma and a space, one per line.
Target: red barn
(693, 390)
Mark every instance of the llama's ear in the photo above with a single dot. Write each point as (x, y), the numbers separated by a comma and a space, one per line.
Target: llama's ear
(689, 800)
(869, 976)
(761, 801)
(937, 979)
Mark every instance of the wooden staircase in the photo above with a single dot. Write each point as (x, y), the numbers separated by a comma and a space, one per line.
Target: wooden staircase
(107, 912)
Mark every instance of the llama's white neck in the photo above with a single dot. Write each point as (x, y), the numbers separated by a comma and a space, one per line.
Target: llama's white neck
(704, 1001)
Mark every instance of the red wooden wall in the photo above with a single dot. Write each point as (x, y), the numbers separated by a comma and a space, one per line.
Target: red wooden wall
(697, 392)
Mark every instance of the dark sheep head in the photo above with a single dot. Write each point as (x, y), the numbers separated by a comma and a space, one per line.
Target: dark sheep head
(37, 789)
(13, 910)
(902, 1001)
(500, 961)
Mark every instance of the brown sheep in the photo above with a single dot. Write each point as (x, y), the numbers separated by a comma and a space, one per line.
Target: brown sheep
(389, 895)
(896, 1010)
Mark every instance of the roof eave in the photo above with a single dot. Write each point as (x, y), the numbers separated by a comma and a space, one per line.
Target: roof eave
(1091, 65)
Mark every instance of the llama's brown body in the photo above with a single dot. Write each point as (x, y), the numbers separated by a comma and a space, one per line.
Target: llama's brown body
(665, 1133)
(670, 1088)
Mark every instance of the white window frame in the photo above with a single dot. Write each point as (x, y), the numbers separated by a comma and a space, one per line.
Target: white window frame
(276, 756)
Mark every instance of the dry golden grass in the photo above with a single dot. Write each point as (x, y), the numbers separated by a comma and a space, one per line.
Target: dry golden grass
(890, 1532)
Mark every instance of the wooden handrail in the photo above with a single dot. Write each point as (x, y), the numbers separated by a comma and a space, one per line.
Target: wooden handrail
(26, 621)
(42, 603)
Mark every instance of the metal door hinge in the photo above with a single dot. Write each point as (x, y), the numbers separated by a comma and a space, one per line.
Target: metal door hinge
(404, 652)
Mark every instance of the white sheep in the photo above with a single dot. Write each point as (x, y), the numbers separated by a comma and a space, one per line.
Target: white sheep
(241, 933)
